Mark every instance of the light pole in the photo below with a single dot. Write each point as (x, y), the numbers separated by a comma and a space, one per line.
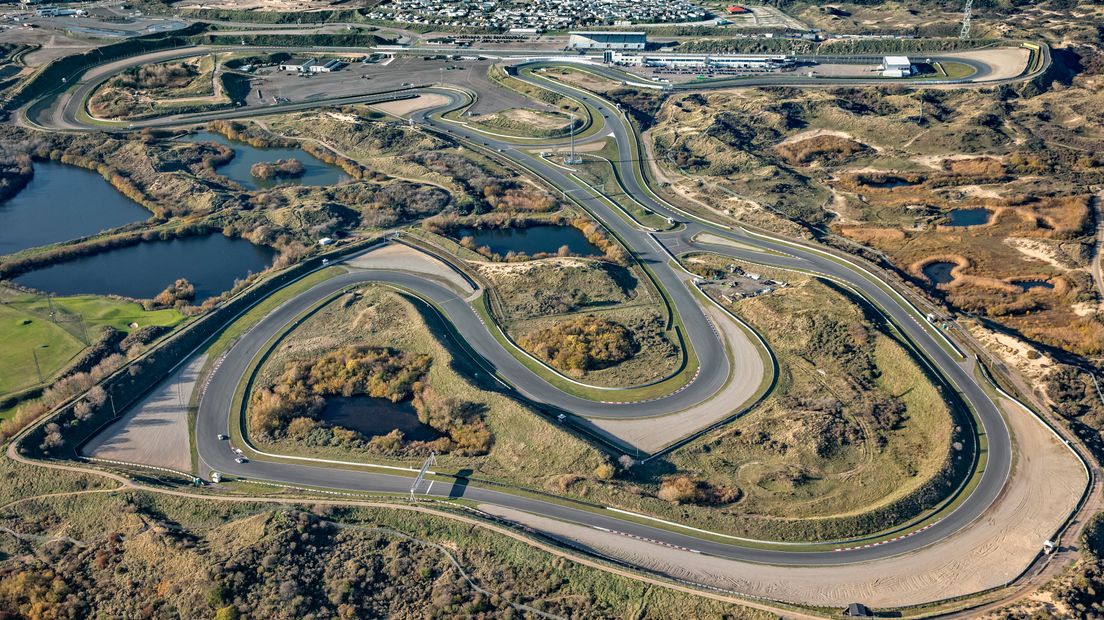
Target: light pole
(38, 368)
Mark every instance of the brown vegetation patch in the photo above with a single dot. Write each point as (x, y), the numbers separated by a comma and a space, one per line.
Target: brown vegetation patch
(351, 371)
(866, 234)
(279, 169)
(581, 344)
(822, 149)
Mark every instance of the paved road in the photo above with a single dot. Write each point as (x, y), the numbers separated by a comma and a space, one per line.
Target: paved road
(215, 405)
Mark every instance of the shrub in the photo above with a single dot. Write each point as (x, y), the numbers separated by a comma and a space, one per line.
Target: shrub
(351, 371)
(280, 169)
(585, 343)
(681, 490)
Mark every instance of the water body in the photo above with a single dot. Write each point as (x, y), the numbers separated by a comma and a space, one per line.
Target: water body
(1027, 285)
(939, 273)
(531, 240)
(377, 416)
(61, 203)
(968, 217)
(888, 183)
(317, 172)
(210, 263)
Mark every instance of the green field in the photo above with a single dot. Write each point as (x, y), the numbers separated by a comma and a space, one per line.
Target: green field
(27, 330)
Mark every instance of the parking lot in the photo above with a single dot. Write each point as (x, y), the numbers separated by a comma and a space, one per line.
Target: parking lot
(271, 86)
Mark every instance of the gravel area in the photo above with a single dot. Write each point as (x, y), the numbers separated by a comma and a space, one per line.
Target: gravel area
(154, 432)
(405, 258)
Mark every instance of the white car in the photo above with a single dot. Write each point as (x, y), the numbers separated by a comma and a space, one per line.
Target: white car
(241, 459)
(222, 437)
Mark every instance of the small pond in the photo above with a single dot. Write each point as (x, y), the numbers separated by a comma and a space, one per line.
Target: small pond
(316, 172)
(377, 416)
(61, 203)
(211, 263)
(531, 240)
(887, 183)
(968, 217)
(939, 273)
(1027, 285)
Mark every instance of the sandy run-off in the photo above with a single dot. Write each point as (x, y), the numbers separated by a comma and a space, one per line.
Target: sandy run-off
(155, 432)
(649, 435)
(1004, 62)
(401, 257)
(1044, 486)
(405, 107)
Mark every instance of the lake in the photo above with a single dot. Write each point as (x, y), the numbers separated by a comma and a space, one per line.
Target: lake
(60, 203)
(377, 416)
(968, 217)
(316, 171)
(939, 273)
(211, 263)
(531, 240)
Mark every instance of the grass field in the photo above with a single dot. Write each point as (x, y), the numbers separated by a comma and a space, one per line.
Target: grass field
(852, 427)
(26, 325)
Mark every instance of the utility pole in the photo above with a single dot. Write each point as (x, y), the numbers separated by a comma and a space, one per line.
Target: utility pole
(573, 159)
(431, 460)
(967, 14)
(38, 369)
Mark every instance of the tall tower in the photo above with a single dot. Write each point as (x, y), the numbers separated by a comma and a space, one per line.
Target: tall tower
(967, 13)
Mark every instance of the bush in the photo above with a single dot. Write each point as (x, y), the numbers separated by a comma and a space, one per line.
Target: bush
(681, 490)
(578, 345)
(351, 371)
(280, 169)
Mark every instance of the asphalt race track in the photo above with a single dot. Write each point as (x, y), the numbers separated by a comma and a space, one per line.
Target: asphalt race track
(653, 251)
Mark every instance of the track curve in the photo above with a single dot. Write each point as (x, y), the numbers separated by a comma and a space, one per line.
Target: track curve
(654, 251)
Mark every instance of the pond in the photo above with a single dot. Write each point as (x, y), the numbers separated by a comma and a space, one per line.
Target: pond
(377, 416)
(61, 203)
(211, 263)
(888, 183)
(968, 217)
(1027, 285)
(531, 240)
(939, 273)
(316, 172)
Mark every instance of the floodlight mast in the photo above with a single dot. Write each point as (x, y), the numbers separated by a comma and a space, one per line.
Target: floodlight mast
(967, 14)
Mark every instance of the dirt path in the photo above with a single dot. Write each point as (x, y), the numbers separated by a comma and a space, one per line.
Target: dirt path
(1095, 267)
(1044, 486)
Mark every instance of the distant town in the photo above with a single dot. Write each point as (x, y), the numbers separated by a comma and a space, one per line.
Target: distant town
(540, 15)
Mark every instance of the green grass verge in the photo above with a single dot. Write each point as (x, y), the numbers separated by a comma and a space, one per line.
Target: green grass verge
(55, 330)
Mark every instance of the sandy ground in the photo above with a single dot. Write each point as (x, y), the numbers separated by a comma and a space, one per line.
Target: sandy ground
(1038, 250)
(404, 107)
(405, 258)
(1006, 62)
(725, 241)
(155, 432)
(1028, 360)
(1044, 486)
(651, 434)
